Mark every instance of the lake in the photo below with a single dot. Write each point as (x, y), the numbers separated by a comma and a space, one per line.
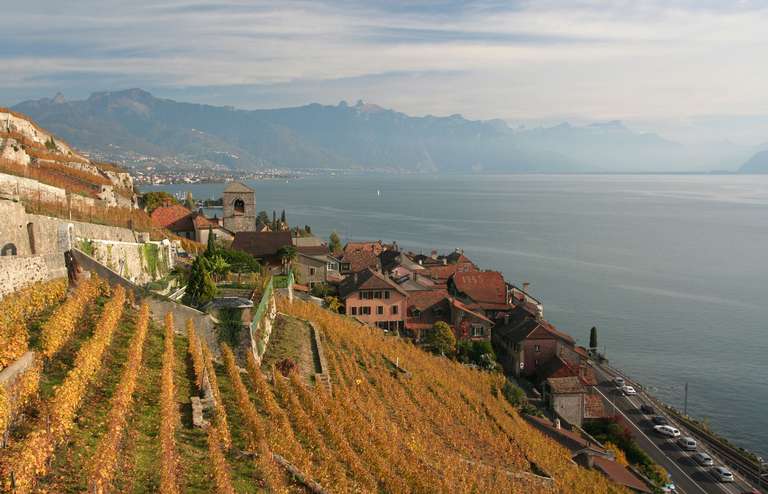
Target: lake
(672, 269)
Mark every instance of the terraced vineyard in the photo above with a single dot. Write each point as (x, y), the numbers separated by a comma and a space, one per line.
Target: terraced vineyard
(108, 409)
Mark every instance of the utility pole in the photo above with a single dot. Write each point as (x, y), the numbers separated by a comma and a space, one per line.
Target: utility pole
(685, 400)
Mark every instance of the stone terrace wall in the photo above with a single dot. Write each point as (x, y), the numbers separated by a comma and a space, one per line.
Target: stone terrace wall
(19, 271)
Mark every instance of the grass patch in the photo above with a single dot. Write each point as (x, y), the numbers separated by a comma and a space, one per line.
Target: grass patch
(291, 339)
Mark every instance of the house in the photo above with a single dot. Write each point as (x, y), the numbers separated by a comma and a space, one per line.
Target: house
(469, 324)
(374, 299)
(521, 295)
(354, 261)
(525, 342)
(425, 308)
(175, 218)
(484, 291)
(589, 454)
(315, 265)
(565, 396)
(264, 246)
(205, 225)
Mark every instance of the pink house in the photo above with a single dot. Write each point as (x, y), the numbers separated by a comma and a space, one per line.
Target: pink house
(374, 299)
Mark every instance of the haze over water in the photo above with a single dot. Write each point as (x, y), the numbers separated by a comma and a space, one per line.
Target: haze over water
(673, 270)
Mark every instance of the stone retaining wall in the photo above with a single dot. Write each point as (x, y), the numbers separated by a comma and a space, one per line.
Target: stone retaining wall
(16, 272)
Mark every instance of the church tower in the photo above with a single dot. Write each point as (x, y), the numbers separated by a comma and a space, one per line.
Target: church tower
(239, 208)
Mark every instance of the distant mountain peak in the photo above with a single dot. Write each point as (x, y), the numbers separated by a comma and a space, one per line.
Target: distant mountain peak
(609, 125)
(59, 99)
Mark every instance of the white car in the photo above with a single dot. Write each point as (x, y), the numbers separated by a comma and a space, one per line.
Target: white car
(723, 474)
(629, 391)
(687, 443)
(703, 459)
(666, 430)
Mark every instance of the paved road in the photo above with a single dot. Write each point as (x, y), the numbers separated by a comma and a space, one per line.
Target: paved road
(687, 475)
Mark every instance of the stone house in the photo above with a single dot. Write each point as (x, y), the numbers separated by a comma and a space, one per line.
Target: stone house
(374, 299)
(565, 396)
(525, 342)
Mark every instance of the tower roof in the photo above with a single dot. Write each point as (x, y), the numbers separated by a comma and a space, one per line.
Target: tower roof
(237, 187)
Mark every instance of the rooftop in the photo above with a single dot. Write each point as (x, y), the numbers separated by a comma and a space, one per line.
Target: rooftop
(565, 385)
(237, 187)
(483, 287)
(174, 217)
(368, 279)
(260, 244)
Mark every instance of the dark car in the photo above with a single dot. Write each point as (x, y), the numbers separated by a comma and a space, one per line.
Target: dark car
(647, 409)
(660, 420)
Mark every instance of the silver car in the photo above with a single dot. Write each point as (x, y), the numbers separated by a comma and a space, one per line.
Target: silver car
(723, 474)
(687, 443)
(703, 459)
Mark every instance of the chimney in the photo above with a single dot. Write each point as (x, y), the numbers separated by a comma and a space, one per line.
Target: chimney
(557, 423)
(525, 286)
(433, 254)
(445, 261)
(421, 262)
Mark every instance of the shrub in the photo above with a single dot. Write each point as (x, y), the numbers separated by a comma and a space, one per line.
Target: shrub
(441, 339)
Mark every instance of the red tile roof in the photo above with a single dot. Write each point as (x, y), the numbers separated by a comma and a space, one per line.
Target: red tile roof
(313, 250)
(368, 279)
(201, 222)
(375, 247)
(443, 272)
(175, 217)
(619, 474)
(463, 307)
(360, 259)
(260, 244)
(483, 287)
(426, 301)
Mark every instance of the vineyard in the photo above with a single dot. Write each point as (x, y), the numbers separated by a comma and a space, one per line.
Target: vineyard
(109, 409)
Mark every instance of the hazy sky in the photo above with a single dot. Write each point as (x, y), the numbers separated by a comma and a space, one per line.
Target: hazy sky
(643, 61)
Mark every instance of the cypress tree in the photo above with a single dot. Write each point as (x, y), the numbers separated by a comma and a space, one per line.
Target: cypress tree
(593, 338)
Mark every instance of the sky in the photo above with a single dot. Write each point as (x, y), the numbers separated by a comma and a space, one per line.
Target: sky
(693, 69)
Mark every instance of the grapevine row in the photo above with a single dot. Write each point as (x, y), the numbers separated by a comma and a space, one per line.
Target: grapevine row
(104, 465)
(17, 395)
(30, 459)
(254, 433)
(219, 413)
(169, 415)
(16, 309)
(62, 324)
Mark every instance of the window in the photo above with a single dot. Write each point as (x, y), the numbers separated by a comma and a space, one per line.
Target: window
(238, 206)
(345, 266)
(376, 294)
(380, 310)
(365, 311)
(478, 330)
(394, 310)
(331, 266)
(536, 348)
(386, 294)
(311, 271)
(353, 311)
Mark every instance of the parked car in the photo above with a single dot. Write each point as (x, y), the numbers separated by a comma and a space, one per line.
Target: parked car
(647, 409)
(687, 443)
(666, 430)
(619, 382)
(660, 420)
(629, 391)
(703, 459)
(723, 474)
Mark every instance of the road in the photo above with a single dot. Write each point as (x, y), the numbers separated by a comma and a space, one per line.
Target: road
(688, 476)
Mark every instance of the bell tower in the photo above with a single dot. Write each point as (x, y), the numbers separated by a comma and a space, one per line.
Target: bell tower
(239, 208)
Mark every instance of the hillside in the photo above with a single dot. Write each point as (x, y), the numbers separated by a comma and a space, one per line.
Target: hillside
(133, 126)
(108, 409)
(756, 164)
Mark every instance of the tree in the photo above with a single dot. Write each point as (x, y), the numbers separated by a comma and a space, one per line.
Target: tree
(593, 339)
(282, 217)
(200, 286)
(210, 249)
(189, 202)
(441, 339)
(332, 303)
(308, 229)
(274, 221)
(262, 218)
(153, 200)
(334, 242)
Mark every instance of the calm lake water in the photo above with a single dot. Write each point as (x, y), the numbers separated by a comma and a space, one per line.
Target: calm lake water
(673, 270)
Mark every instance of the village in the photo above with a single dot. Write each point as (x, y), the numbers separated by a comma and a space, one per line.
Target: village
(494, 324)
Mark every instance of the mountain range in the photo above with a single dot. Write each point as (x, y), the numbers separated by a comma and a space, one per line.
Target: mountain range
(360, 136)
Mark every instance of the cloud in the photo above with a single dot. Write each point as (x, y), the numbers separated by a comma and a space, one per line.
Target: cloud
(484, 59)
